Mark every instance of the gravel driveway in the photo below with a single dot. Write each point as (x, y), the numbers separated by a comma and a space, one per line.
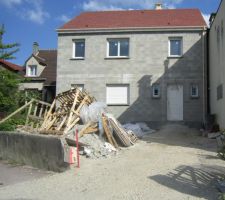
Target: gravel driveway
(173, 163)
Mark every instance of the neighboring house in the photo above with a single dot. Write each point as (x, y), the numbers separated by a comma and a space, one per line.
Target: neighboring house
(147, 65)
(6, 65)
(41, 72)
(217, 64)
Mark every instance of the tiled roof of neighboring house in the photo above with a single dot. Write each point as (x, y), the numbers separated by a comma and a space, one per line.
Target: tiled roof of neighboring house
(48, 58)
(167, 18)
(11, 66)
(41, 61)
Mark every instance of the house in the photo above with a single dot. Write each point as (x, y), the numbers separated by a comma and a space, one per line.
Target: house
(217, 64)
(147, 65)
(40, 71)
(6, 65)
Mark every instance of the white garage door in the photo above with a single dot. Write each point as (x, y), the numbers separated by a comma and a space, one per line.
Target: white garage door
(117, 94)
(175, 103)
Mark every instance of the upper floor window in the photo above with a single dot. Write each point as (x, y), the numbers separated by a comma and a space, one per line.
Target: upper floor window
(32, 70)
(79, 49)
(175, 47)
(118, 47)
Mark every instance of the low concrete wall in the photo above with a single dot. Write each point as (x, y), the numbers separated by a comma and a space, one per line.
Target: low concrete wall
(45, 152)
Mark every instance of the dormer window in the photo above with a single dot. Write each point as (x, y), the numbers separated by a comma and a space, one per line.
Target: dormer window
(32, 70)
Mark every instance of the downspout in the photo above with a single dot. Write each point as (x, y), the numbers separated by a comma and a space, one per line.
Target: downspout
(204, 75)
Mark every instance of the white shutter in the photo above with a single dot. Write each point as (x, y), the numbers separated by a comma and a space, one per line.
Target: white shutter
(117, 94)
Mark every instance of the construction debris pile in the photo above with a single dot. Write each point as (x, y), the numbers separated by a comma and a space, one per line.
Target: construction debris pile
(64, 112)
(100, 134)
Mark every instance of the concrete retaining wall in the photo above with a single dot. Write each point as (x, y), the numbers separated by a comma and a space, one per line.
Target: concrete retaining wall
(45, 152)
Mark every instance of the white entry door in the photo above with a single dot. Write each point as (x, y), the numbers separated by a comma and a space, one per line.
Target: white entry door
(175, 103)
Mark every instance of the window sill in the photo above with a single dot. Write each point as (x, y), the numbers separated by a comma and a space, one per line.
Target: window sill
(77, 58)
(174, 57)
(31, 76)
(116, 57)
(156, 97)
(194, 97)
(117, 104)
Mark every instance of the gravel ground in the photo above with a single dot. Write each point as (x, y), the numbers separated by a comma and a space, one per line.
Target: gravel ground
(173, 163)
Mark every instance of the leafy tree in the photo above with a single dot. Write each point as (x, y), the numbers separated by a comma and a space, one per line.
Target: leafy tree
(9, 93)
(7, 50)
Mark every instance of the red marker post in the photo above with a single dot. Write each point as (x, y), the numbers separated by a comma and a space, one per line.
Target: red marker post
(77, 145)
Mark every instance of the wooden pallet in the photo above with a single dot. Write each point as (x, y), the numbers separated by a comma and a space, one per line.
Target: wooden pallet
(37, 110)
(64, 112)
(125, 138)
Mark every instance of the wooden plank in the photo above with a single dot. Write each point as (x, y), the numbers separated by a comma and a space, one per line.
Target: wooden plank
(17, 111)
(72, 125)
(28, 114)
(91, 130)
(107, 132)
(48, 114)
(82, 131)
(71, 110)
(41, 110)
(35, 109)
(42, 102)
(62, 123)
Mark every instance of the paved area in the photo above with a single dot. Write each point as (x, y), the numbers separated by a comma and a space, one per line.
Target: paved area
(10, 173)
(173, 163)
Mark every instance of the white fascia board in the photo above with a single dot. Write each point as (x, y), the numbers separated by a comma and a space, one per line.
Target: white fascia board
(141, 29)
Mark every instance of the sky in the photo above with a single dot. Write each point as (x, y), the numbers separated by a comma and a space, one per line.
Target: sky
(28, 21)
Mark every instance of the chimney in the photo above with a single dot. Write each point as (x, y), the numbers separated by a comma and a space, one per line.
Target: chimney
(158, 6)
(35, 48)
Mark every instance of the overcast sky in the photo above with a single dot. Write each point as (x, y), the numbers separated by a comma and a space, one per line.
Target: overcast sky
(27, 21)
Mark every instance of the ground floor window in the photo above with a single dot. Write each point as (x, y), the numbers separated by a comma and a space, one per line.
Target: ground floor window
(219, 91)
(117, 94)
(194, 91)
(79, 86)
(155, 91)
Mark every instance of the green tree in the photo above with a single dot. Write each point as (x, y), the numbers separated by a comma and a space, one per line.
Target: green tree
(7, 50)
(9, 93)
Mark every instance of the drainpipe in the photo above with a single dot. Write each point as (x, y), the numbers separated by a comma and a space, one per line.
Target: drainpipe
(204, 75)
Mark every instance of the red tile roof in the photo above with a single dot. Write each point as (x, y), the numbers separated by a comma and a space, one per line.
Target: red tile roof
(11, 66)
(137, 19)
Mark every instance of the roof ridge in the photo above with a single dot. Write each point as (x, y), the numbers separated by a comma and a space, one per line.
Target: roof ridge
(133, 10)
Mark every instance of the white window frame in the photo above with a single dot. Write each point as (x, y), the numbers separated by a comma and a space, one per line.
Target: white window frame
(29, 71)
(181, 46)
(122, 103)
(197, 91)
(118, 55)
(154, 86)
(74, 49)
(79, 86)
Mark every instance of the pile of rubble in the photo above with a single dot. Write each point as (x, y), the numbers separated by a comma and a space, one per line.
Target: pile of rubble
(100, 134)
